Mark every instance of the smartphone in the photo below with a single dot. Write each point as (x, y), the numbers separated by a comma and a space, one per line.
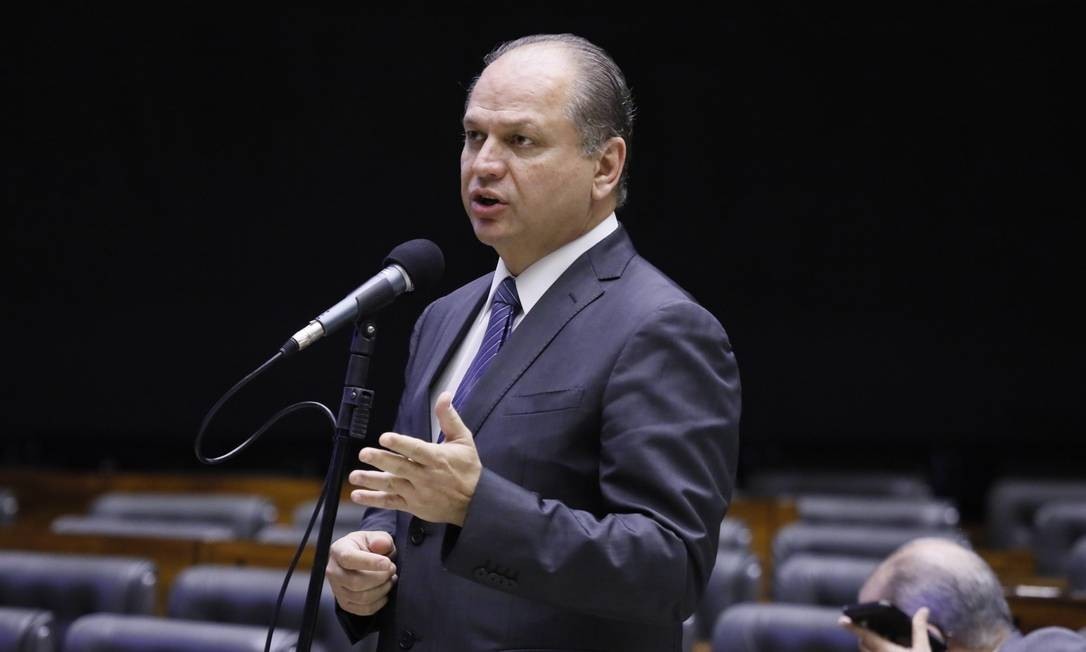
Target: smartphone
(889, 622)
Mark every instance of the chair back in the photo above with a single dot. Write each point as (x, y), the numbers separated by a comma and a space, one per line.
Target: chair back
(1012, 504)
(878, 510)
(246, 514)
(824, 580)
(735, 578)
(232, 594)
(26, 630)
(768, 627)
(118, 633)
(71, 586)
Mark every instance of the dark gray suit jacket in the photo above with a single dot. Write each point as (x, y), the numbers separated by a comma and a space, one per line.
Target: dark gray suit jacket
(608, 431)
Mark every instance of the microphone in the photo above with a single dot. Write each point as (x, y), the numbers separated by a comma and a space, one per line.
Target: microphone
(413, 264)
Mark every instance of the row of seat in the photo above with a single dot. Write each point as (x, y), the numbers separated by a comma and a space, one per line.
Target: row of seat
(47, 597)
(820, 564)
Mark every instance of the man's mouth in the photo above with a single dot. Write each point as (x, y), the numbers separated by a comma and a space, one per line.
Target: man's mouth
(487, 201)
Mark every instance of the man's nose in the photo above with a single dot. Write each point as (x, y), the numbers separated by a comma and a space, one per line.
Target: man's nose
(490, 160)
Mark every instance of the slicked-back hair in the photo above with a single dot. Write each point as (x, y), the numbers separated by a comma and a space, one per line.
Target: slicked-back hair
(601, 105)
(964, 596)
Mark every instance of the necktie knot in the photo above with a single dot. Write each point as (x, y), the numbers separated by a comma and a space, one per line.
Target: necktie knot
(506, 295)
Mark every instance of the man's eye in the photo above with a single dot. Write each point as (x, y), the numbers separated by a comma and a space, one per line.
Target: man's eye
(472, 136)
(522, 141)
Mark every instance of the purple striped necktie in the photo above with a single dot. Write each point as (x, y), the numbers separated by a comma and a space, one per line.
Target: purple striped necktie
(503, 310)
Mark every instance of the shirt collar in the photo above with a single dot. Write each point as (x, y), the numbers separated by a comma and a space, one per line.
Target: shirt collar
(537, 278)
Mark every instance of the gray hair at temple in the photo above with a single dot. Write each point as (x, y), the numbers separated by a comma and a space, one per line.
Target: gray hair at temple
(601, 106)
(964, 595)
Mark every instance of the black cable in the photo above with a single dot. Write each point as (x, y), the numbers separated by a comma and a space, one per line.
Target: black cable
(245, 444)
(226, 397)
(301, 547)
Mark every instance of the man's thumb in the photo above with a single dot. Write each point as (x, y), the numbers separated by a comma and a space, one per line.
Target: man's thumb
(920, 630)
(449, 419)
(380, 543)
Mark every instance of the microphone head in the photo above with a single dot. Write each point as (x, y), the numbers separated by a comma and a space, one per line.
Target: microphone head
(421, 259)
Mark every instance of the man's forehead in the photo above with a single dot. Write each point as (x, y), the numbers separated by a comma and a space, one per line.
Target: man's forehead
(501, 117)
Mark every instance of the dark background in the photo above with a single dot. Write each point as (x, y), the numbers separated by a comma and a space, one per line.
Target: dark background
(880, 207)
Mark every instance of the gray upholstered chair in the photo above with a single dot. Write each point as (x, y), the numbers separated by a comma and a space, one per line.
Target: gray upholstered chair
(735, 578)
(734, 535)
(9, 506)
(231, 594)
(824, 580)
(863, 541)
(119, 633)
(158, 529)
(877, 510)
(1012, 505)
(765, 627)
(1057, 526)
(26, 630)
(1076, 567)
(853, 483)
(245, 514)
(71, 586)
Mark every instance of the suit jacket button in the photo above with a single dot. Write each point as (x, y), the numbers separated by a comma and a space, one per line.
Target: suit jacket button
(407, 639)
(417, 533)
(480, 573)
(494, 578)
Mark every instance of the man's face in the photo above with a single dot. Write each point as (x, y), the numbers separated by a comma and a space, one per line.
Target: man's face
(524, 181)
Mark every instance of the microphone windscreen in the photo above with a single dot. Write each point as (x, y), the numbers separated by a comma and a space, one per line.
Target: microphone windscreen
(421, 259)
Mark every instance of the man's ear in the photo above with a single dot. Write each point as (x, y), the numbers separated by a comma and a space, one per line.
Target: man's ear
(609, 165)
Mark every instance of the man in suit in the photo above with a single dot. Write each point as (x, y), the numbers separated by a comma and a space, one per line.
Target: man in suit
(566, 443)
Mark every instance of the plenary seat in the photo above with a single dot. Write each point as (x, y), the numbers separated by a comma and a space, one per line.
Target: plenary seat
(1012, 503)
(824, 580)
(122, 633)
(9, 506)
(156, 529)
(789, 483)
(1057, 526)
(26, 630)
(245, 514)
(348, 519)
(769, 627)
(735, 578)
(734, 534)
(1076, 567)
(864, 541)
(242, 595)
(889, 511)
(71, 585)
(292, 534)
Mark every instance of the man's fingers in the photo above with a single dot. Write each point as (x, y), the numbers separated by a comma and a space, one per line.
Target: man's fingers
(379, 499)
(393, 462)
(920, 630)
(380, 481)
(354, 559)
(449, 419)
(363, 609)
(362, 593)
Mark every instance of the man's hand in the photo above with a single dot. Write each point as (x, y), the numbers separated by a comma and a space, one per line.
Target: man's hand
(435, 482)
(872, 642)
(361, 572)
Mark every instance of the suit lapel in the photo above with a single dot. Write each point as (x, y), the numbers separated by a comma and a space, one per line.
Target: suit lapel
(452, 328)
(575, 289)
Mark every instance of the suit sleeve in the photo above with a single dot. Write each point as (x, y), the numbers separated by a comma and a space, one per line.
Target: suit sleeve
(668, 452)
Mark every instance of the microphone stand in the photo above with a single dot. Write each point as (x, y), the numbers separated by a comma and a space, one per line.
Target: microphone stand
(351, 423)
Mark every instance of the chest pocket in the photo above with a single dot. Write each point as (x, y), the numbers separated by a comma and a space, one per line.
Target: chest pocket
(551, 401)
